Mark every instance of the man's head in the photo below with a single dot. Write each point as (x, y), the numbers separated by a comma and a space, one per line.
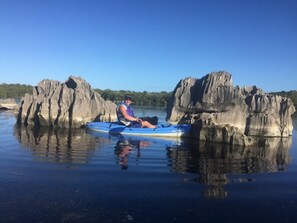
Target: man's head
(128, 98)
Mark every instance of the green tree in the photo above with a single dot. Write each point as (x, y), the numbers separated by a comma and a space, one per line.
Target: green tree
(14, 90)
(152, 99)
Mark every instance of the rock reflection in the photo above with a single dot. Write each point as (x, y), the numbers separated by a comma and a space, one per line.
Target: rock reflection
(213, 162)
(62, 146)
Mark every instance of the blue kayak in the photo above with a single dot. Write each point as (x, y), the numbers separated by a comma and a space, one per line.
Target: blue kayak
(160, 131)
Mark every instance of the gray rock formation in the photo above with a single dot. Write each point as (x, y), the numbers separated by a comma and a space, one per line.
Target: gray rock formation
(66, 105)
(8, 104)
(221, 112)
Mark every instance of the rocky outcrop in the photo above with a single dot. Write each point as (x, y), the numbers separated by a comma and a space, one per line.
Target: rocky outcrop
(66, 105)
(221, 112)
(8, 104)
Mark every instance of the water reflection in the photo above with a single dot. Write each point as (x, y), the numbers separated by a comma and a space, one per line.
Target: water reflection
(213, 162)
(210, 163)
(62, 146)
(124, 147)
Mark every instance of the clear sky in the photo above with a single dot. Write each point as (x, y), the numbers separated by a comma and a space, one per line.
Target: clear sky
(149, 45)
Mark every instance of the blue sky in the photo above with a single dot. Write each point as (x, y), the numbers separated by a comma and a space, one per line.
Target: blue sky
(149, 44)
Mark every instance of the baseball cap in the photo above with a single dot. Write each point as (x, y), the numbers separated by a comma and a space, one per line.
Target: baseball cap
(128, 97)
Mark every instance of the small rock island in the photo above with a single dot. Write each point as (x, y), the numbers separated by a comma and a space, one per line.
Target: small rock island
(220, 112)
(66, 105)
(8, 104)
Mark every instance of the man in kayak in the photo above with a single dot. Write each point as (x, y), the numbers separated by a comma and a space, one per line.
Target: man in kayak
(126, 116)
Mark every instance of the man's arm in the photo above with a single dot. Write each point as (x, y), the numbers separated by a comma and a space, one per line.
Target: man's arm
(126, 116)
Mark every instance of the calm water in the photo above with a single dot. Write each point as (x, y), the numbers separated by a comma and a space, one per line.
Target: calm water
(81, 176)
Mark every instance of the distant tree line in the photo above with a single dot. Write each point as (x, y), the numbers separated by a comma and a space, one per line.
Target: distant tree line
(153, 99)
(14, 90)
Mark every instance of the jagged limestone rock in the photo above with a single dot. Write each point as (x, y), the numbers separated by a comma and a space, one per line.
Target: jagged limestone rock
(66, 105)
(221, 112)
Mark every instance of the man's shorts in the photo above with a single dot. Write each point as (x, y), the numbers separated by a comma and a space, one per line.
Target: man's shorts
(135, 125)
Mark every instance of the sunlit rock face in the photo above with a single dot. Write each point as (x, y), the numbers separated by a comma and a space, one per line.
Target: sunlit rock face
(69, 104)
(221, 112)
(8, 104)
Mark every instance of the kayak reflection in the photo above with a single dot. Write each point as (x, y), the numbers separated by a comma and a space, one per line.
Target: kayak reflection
(125, 146)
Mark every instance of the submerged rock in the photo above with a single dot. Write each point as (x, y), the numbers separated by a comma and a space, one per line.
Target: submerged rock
(69, 104)
(221, 112)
